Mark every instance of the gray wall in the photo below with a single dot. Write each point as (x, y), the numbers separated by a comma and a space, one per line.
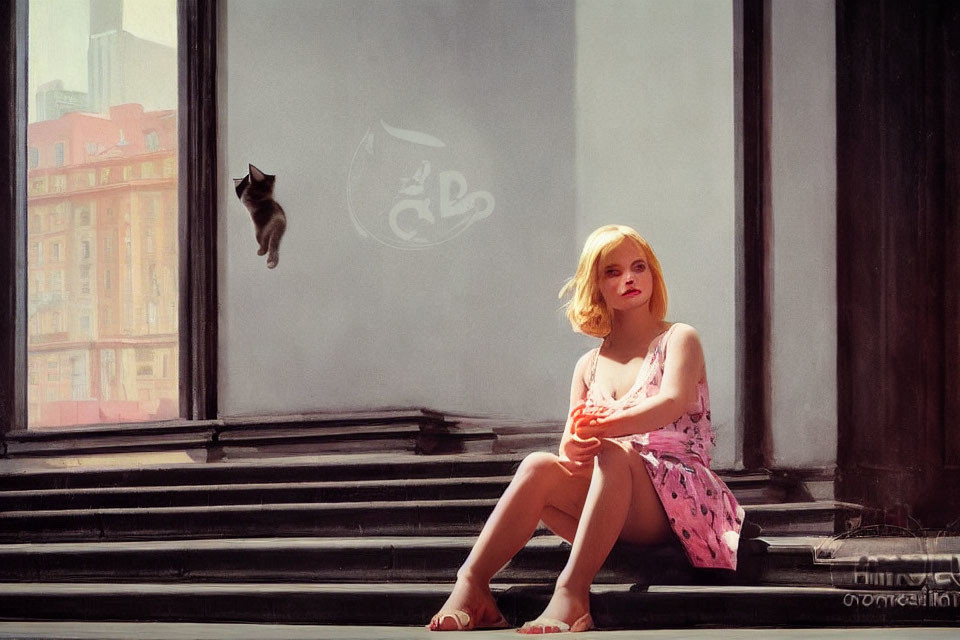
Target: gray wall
(469, 324)
(569, 116)
(655, 149)
(803, 347)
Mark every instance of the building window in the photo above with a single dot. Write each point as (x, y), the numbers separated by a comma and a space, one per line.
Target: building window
(56, 281)
(84, 278)
(78, 378)
(85, 250)
(152, 141)
(58, 154)
(33, 155)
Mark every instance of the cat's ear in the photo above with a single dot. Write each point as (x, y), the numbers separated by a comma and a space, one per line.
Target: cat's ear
(255, 174)
(240, 185)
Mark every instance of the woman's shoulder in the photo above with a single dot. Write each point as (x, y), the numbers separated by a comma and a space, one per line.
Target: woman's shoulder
(681, 333)
(585, 361)
(682, 329)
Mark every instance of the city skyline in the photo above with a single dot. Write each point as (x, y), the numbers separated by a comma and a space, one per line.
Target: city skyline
(59, 34)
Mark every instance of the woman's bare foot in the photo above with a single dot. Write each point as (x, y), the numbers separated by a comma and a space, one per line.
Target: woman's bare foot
(475, 600)
(566, 606)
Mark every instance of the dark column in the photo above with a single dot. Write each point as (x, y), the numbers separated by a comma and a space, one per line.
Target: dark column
(752, 28)
(894, 267)
(13, 234)
(198, 208)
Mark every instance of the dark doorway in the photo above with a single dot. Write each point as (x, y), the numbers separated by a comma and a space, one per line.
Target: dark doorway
(898, 140)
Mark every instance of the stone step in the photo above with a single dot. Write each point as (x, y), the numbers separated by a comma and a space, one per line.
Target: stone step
(74, 630)
(256, 493)
(333, 467)
(613, 606)
(380, 430)
(747, 489)
(305, 468)
(421, 517)
(368, 560)
(883, 562)
(768, 560)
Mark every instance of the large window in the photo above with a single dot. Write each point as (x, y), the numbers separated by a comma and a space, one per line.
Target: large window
(108, 257)
(103, 121)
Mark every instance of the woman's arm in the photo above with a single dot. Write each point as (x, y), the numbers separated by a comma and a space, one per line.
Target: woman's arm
(682, 371)
(573, 447)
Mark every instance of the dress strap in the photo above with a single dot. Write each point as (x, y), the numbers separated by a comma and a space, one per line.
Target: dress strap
(593, 370)
(664, 338)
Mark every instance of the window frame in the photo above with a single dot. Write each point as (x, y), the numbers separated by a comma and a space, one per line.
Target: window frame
(197, 199)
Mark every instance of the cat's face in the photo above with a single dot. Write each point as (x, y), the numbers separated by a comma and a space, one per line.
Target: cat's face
(256, 184)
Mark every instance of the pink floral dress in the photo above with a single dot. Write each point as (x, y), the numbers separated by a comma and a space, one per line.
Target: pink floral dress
(702, 510)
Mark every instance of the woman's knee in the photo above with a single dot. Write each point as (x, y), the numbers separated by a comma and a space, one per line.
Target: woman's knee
(612, 455)
(538, 466)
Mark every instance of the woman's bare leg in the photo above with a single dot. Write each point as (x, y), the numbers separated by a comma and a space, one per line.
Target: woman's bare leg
(562, 523)
(621, 504)
(540, 484)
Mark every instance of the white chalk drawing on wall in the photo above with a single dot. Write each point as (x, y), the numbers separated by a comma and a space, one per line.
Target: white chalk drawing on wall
(404, 190)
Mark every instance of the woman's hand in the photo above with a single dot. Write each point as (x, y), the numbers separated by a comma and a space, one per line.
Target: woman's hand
(579, 451)
(599, 425)
(586, 416)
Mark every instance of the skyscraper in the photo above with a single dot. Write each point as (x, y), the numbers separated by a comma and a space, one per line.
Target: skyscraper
(123, 68)
(53, 100)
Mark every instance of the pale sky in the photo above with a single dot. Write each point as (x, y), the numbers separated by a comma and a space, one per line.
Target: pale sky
(59, 30)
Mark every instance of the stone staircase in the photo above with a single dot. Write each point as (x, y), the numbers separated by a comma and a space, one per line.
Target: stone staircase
(371, 531)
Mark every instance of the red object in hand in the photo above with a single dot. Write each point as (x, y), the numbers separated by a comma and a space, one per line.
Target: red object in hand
(583, 415)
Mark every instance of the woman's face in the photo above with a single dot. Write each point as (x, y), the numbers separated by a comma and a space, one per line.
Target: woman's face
(624, 277)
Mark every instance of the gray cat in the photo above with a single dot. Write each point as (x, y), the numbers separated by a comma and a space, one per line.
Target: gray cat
(255, 191)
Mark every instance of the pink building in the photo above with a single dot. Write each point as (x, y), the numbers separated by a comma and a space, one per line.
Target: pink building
(102, 267)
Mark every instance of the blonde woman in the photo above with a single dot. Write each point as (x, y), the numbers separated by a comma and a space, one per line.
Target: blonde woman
(634, 459)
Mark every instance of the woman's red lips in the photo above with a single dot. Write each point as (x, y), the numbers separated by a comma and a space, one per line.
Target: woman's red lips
(632, 292)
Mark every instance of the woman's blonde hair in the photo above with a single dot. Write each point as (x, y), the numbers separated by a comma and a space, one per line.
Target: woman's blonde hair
(586, 310)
